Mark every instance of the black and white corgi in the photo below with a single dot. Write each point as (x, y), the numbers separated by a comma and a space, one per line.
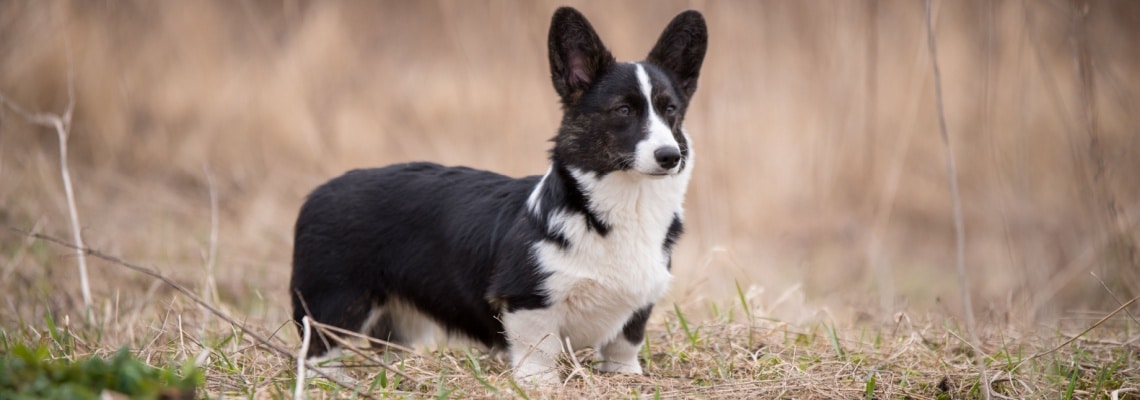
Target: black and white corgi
(577, 256)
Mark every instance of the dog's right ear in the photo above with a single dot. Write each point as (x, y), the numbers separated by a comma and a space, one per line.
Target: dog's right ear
(577, 55)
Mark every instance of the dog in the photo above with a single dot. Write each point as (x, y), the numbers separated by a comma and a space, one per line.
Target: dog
(575, 257)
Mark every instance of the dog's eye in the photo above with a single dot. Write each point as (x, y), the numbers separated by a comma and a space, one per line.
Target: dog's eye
(624, 111)
(671, 110)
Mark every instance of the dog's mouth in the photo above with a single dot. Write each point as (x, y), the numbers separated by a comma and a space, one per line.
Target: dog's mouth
(657, 172)
(653, 170)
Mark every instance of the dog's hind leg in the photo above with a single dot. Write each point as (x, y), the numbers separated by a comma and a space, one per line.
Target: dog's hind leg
(398, 323)
(382, 326)
(345, 309)
(342, 308)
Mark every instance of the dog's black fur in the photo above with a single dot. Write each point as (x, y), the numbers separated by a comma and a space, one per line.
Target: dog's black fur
(436, 248)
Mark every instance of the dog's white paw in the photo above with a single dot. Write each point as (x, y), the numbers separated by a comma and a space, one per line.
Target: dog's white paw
(537, 376)
(633, 368)
(336, 373)
(329, 366)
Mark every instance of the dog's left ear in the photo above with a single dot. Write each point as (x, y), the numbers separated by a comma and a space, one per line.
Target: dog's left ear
(681, 49)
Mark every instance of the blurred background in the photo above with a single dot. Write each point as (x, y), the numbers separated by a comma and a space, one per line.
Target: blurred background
(820, 183)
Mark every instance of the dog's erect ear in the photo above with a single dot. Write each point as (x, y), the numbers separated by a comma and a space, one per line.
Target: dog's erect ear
(577, 55)
(681, 49)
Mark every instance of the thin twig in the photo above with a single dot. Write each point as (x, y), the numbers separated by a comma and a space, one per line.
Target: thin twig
(1078, 336)
(1116, 393)
(62, 125)
(973, 347)
(955, 197)
(299, 390)
(325, 327)
(997, 378)
(578, 369)
(348, 346)
(1113, 295)
(193, 297)
(211, 290)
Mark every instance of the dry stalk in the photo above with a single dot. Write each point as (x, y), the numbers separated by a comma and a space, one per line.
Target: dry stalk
(578, 369)
(62, 125)
(955, 199)
(1116, 393)
(1077, 336)
(210, 291)
(1113, 295)
(326, 331)
(329, 328)
(299, 390)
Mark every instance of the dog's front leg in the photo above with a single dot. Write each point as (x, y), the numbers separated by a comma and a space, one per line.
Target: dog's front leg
(620, 354)
(534, 345)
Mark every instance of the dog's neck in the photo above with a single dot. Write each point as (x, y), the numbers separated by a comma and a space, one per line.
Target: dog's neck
(633, 198)
(621, 200)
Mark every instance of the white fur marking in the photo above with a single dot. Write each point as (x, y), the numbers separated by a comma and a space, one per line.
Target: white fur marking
(534, 201)
(589, 286)
(620, 356)
(534, 344)
(413, 327)
(373, 317)
(659, 133)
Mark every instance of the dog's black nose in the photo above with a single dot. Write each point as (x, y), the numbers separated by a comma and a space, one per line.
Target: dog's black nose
(667, 157)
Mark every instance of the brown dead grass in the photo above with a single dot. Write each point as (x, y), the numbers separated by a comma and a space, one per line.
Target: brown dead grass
(733, 353)
(819, 180)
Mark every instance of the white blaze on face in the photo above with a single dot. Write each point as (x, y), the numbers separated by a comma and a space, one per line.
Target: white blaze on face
(659, 135)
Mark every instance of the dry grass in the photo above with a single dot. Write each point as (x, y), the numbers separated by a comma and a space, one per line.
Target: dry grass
(819, 182)
(731, 354)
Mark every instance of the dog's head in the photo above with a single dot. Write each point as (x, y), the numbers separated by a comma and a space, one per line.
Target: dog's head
(624, 116)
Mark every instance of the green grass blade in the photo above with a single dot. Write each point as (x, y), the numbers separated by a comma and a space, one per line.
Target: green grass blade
(692, 335)
(869, 388)
(1073, 378)
(477, 371)
(743, 302)
(518, 390)
(835, 342)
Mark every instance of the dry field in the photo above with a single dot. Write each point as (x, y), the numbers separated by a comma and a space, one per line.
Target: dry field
(819, 255)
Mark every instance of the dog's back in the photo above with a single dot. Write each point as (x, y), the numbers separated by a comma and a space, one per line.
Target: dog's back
(419, 231)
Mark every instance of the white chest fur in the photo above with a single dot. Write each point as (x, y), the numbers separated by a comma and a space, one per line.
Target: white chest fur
(598, 282)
